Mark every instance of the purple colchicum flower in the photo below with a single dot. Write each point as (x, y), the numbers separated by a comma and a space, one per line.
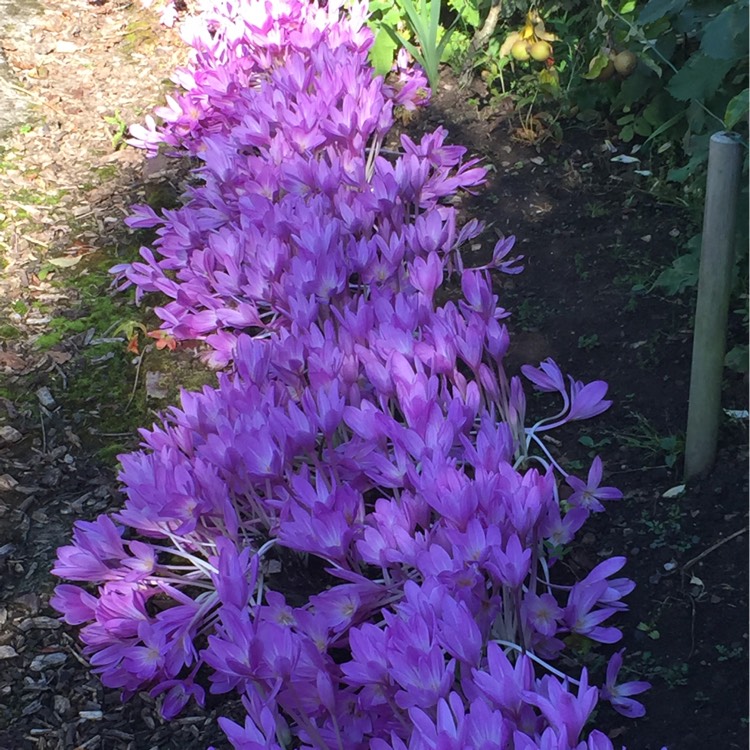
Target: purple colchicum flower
(358, 420)
(588, 494)
(619, 695)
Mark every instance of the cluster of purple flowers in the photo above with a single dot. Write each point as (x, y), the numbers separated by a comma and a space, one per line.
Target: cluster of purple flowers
(296, 211)
(361, 422)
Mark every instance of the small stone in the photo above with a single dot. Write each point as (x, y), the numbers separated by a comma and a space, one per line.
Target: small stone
(47, 661)
(41, 623)
(9, 434)
(28, 601)
(46, 398)
(157, 167)
(62, 705)
(7, 482)
(7, 652)
(31, 708)
(65, 48)
(91, 715)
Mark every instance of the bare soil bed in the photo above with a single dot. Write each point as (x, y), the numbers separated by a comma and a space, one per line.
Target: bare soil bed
(71, 395)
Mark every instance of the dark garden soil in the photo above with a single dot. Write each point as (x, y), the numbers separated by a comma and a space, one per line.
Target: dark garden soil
(594, 241)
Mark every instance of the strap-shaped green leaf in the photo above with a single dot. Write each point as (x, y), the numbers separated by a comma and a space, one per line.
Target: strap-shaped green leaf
(736, 109)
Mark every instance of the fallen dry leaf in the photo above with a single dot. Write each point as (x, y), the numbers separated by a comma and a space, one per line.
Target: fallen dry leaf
(153, 386)
(11, 361)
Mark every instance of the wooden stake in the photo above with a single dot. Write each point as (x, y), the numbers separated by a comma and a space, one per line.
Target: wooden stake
(712, 308)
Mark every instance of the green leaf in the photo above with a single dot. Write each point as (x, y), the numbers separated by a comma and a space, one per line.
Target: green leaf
(657, 9)
(467, 10)
(65, 261)
(737, 359)
(696, 15)
(681, 275)
(417, 19)
(725, 37)
(642, 127)
(651, 64)
(656, 111)
(410, 48)
(664, 126)
(696, 117)
(444, 42)
(627, 133)
(627, 7)
(699, 78)
(596, 66)
(679, 174)
(434, 22)
(424, 19)
(383, 52)
(736, 109)
(378, 6)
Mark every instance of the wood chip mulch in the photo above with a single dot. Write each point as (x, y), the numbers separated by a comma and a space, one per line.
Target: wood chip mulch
(65, 185)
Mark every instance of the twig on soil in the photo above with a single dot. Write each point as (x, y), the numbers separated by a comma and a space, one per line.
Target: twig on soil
(135, 381)
(27, 503)
(62, 375)
(692, 627)
(94, 741)
(72, 647)
(639, 468)
(112, 434)
(36, 98)
(31, 240)
(44, 432)
(713, 547)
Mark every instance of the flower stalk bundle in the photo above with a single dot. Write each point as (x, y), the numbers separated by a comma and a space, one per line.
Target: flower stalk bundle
(359, 420)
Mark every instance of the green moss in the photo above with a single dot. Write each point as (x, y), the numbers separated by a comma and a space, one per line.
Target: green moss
(161, 195)
(37, 198)
(20, 307)
(6, 161)
(107, 172)
(179, 371)
(97, 310)
(99, 395)
(140, 36)
(109, 453)
(48, 340)
(9, 332)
